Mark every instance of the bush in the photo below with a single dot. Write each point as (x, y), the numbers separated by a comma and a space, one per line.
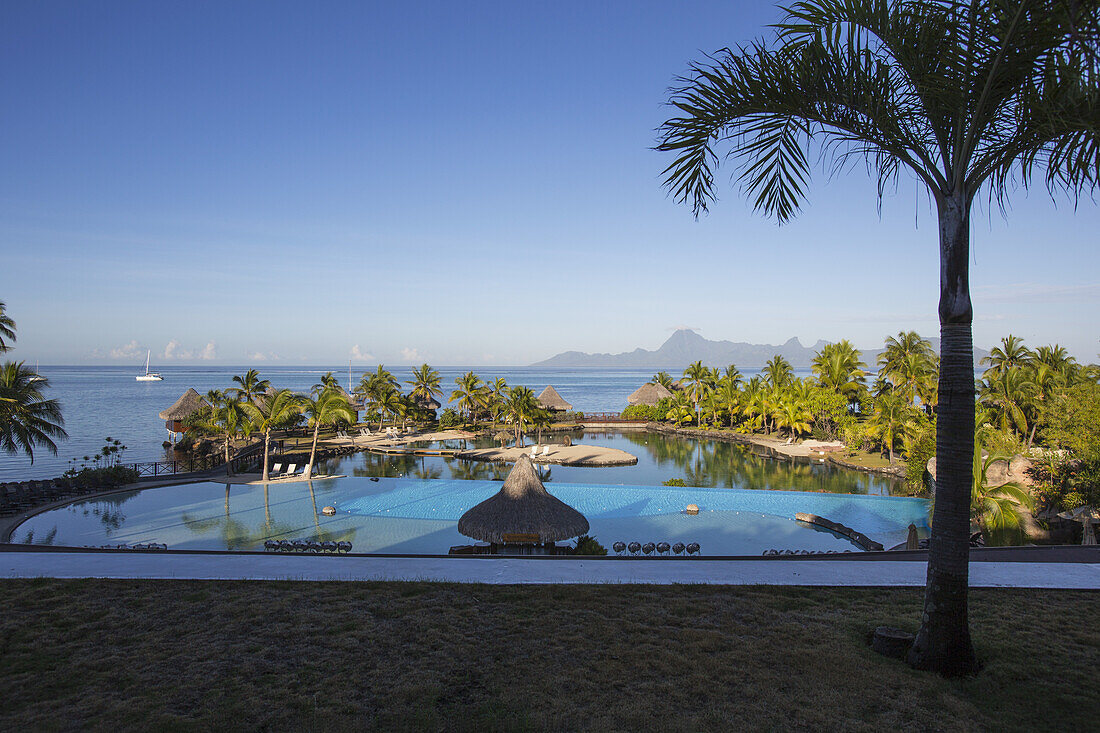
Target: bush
(588, 546)
(674, 482)
(449, 418)
(650, 413)
(109, 477)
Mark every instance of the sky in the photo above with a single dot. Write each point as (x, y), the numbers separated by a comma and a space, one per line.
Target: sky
(458, 183)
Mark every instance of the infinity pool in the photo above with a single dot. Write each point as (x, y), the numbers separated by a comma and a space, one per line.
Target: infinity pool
(416, 516)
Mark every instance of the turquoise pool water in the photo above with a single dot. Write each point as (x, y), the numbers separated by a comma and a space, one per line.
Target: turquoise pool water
(418, 516)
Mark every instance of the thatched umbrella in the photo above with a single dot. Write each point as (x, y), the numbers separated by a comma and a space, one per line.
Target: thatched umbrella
(522, 511)
(503, 436)
(425, 403)
(551, 400)
(648, 394)
(1086, 515)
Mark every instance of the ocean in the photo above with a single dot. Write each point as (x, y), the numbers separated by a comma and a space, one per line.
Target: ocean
(105, 401)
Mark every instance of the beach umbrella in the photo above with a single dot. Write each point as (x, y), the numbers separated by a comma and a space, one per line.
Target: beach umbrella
(1086, 515)
(502, 436)
(523, 507)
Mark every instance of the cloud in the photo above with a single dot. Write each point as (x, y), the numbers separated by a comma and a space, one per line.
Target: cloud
(261, 356)
(359, 355)
(131, 350)
(173, 351)
(410, 354)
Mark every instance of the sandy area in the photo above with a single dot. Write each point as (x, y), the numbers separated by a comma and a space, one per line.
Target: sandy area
(805, 449)
(572, 455)
(381, 439)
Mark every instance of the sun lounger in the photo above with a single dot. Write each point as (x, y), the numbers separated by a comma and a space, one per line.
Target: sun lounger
(546, 450)
(290, 470)
(305, 469)
(364, 433)
(534, 451)
(276, 469)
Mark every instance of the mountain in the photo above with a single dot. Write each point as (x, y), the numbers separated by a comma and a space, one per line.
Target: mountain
(685, 346)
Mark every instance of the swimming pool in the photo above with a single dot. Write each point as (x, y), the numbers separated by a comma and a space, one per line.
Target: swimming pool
(415, 516)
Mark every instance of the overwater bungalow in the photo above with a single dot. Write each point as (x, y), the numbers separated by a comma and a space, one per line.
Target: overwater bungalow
(523, 518)
(191, 401)
(648, 394)
(551, 400)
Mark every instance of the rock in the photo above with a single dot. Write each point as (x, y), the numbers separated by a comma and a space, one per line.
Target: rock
(891, 642)
(691, 509)
(329, 511)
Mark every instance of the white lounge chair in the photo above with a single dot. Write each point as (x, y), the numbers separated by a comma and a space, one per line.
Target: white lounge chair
(788, 441)
(364, 433)
(275, 469)
(534, 451)
(305, 469)
(546, 450)
(289, 470)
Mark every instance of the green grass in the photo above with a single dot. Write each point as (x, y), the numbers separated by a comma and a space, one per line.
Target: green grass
(191, 655)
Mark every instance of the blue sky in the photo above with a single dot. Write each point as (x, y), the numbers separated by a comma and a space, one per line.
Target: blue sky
(463, 183)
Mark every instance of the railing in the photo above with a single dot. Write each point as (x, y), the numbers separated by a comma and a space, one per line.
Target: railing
(607, 417)
(246, 459)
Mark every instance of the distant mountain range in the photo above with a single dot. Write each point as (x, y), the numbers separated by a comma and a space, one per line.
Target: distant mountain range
(685, 346)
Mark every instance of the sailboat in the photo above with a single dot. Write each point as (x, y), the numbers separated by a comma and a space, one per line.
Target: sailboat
(148, 376)
(36, 377)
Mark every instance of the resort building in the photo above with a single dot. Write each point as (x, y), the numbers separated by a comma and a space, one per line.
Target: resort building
(551, 400)
(191, 401)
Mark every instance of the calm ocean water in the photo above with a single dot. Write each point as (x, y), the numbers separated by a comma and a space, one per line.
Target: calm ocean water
(102, 401)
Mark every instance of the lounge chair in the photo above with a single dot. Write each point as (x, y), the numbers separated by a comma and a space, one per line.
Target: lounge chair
(534, 451)
(788, 441)
(276, 469)
(364, 433)
(546, 450)
(289, 470)
(305, 469)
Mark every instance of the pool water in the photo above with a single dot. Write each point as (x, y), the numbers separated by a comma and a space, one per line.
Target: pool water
(416, 516)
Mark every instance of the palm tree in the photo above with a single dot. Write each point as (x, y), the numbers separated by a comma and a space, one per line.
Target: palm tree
(519, 407)
(389, 402)
(778, 372)
(839, 367)
(793, 415)
(325, 407)
(7, 329)
(223, 420)
(251, 386)
(27, 419)
(889, 422)
(1009, 392)
(999, 510)
(468, 395)
(1060, 362)
(729, 396)
(328, 381)
(495, 400)
(425, 383)
(664, 379)
(697, 379)
(908, 362)
(268, 412)
(1011, 353)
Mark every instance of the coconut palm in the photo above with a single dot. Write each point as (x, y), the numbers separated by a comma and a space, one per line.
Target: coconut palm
(908, 363)
(728, 396)
(494, 403)
(778, 372)
(519, 406)
(425, 383)
(999, 510)
(664, 379)
(793, 415)
(27, 419)
(268, 412)
(468, 395)
(7, 329)
(321, 409)
(697, 380)
(1011, 353)
(838, 367)
(224, 420)
(1060, 362)
(1009, 392)
(328, 381)
(388, 401)
(250, 386)
(732, 375)
(889, 422)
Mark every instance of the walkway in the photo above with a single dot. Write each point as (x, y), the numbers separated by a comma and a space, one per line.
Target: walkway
(258, 566)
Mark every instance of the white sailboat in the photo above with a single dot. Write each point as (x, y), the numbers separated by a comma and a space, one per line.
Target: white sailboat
(148, 376)
(37, 377)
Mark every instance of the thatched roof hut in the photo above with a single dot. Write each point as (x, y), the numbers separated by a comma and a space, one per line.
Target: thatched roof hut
(191, 401)
(648, 394)
(425, 403)
(523, 511)
(551, 400)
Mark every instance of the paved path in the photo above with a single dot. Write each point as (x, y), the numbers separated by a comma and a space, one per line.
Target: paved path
(216, 566)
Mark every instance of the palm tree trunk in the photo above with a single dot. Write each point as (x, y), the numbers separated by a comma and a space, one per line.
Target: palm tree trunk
(267, 441)
(943, 642)
(228, 466)
(313, 450)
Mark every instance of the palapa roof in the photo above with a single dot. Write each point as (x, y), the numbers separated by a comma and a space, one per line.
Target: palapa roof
(551, 400)
(522, 506)
(648, 394)
(425, 403)
(353, 400)
(190, 402)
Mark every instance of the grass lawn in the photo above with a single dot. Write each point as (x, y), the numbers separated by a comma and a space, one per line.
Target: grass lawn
(153, 655)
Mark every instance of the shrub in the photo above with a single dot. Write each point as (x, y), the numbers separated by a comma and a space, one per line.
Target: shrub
(650, 413)
(449, 418)
(588, 546)
(674, 482)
